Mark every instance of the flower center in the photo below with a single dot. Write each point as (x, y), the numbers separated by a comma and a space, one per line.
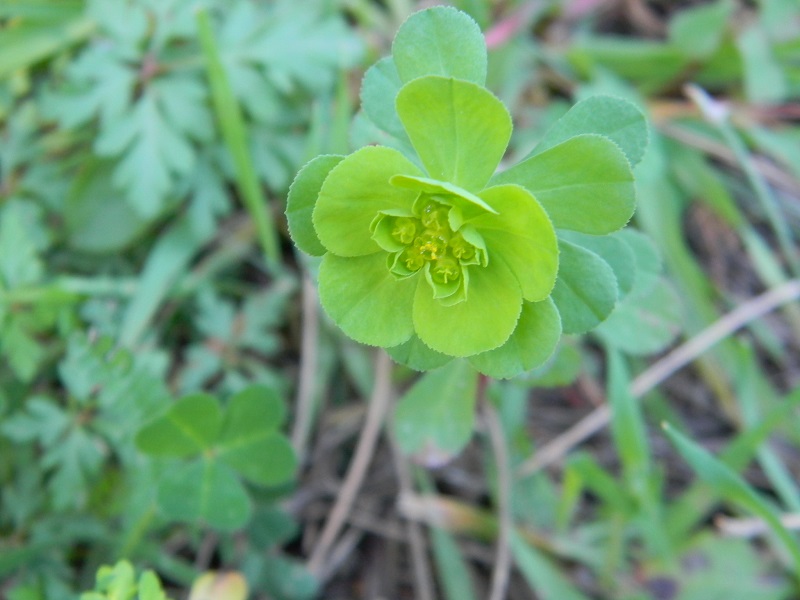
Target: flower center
(425, 242)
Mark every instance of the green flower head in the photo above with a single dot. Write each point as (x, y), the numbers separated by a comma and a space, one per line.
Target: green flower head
(425, 251)
(432, 252)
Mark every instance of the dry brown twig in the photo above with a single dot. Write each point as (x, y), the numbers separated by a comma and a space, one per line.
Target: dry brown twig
(502, 566)
(752, 526)
(423, 580)
(365, 449)
(308, 367)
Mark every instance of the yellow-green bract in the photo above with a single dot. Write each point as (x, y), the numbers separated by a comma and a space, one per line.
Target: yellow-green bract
(429, 253)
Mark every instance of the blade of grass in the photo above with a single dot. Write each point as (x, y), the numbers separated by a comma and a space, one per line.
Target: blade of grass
(694, 504)
(630, 438)
(451, 567)
(754, 392)
(730, 486)
(718, 115)
(541, 574)
(233, 132)
(169, 258)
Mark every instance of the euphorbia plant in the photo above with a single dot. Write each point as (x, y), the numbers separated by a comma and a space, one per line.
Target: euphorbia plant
(427, 250)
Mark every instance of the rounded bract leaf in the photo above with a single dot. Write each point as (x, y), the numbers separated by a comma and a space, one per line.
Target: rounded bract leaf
(354, 192)
(615, 118)
(301, 200)
(416, 355)
(379, 90)
(522, 237)
(644, 324)
(648, 260)
(440, 41)
(532, 343)
(585, 184)
(459, 129)
(362, 297)
(480, 323)
(612, 249)
(586, 289)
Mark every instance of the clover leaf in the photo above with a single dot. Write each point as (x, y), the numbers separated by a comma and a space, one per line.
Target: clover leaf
(241, 441)
(427, 249)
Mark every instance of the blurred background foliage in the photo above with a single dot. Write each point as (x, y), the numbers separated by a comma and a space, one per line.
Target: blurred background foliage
(171, 395)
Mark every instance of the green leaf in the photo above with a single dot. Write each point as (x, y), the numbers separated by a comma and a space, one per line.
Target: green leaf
(76, 458)
(150, 587)
(729, 568)
(440, 41)
(462, 132)
(153, 142)
(644, 323)
(532, 343)
(436, 416)
(118, 581)
(615, 118)
(298, 46)
(698, 31)
(366, 301)
(613, 250)
(731, 487)
(543, 576)
(96, 218)
(166, 262)
(286, 579)
(560, 370)
(20, 263)
(249, 442)
(189, 427)
(451, 567)
(631, 58)
(71, 452)
(585, 184)
(648, 260)
(416, 355)
(585, 291)
(207, 491)
(482, 322)
(20, 347)
(522, 237)
(379, 90)
(353, 194)
(764, 79)
(26, 43)
(301, 200)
